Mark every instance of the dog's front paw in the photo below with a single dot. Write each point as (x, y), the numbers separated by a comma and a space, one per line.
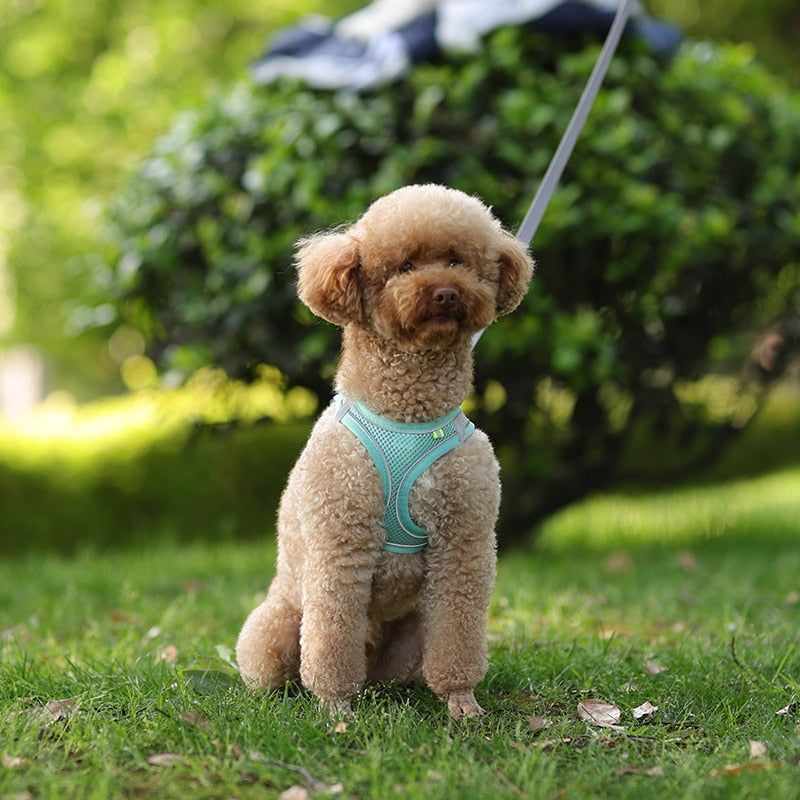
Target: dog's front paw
(463, 705)
(337, 707)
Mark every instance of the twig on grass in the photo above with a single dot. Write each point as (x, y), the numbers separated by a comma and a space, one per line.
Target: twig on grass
(735, 657)
(312, 783)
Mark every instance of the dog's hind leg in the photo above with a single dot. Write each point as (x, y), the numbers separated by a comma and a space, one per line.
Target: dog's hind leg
(399, 654)
(268, 649)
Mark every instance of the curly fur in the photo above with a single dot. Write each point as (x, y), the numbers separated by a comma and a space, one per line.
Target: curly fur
(411, 281)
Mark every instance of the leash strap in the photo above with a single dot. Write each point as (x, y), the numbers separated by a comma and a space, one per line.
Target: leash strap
(564, 150)
(576, 123)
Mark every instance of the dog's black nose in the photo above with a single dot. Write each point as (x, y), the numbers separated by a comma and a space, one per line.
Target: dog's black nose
(445, 297)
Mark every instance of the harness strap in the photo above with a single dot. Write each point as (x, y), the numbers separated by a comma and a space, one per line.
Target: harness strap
(401, 453)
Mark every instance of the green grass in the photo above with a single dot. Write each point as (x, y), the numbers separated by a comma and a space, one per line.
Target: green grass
(687, 597)
(126, 636)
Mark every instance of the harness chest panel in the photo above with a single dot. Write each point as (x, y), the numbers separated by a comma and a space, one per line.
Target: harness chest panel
(401, 453)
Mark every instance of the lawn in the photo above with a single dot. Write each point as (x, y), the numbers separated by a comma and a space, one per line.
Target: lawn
(679, 606)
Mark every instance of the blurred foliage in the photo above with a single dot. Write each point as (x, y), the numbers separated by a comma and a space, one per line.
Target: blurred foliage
(156, 465)
(675, 229)
(771, 26)
(84, 90)
(150, 463)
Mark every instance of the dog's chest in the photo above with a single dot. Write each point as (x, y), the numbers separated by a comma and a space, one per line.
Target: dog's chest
(396, 584)
(402, 454)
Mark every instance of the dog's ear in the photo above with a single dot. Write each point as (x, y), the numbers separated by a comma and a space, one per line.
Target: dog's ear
(516, 271)
(328, 284)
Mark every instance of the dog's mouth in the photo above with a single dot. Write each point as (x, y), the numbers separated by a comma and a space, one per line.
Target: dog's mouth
(446, 316)
(443, 319)
(441, 330)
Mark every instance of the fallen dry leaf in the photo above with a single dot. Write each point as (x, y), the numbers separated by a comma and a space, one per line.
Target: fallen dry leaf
(734, 770)
(757, 749)
(651, 772)
(154, 632)
(59, 709)
(193, 718)
(600, 713)
(194, 587)
(612, 632)
(786, 710)
(45, 716)
(13, 762)
(16, 633)
(654, 668)
(295, 793)
(608, 741)
(169, 655)
(234, 750)
(549, 744)
(538, 723)
(299, 792)
(646, 709)
(311, 782)
(166, 760)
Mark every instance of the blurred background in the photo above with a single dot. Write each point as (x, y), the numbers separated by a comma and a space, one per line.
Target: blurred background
(157, 376)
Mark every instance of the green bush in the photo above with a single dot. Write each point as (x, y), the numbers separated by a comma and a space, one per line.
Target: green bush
(184, 463)
(675, 229)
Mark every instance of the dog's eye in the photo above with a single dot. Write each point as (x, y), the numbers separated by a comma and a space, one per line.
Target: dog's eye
(407, 267)
(455, 262)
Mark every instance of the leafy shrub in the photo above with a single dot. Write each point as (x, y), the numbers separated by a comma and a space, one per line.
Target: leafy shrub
(675, 229)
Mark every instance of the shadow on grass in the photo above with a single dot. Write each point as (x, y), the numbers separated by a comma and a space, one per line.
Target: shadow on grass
(749, 496)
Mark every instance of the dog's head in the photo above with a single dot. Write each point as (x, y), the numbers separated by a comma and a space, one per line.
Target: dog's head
(425, 266)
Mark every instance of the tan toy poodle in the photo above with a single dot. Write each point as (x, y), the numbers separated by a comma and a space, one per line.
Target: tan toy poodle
(386, 545)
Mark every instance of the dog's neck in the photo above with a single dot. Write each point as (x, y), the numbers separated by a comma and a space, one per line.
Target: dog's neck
(406, 386)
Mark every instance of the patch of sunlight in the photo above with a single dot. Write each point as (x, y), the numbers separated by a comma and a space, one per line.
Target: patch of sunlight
(720, 397)
(762, 507)
(61, 433)
(556, 401)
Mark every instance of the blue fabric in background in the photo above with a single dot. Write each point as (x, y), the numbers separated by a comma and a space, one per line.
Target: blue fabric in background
(313, 52)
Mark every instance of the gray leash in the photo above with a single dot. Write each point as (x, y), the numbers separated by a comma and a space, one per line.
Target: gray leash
(564, 150)
(567, 143)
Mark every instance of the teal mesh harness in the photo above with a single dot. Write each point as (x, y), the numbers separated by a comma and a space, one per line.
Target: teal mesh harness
(402, 452)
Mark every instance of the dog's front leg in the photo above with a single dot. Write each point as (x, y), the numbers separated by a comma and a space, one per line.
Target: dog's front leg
(454, 607)
(333, 632)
